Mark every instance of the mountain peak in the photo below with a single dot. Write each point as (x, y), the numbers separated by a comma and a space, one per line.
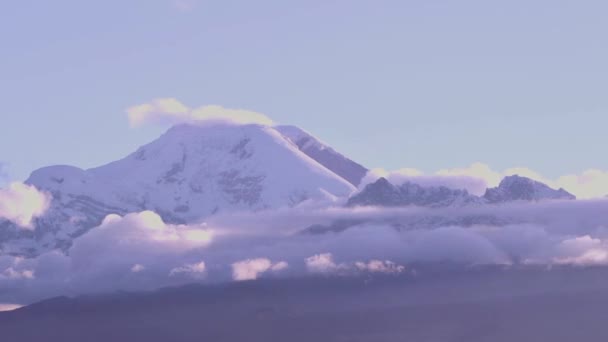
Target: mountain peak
(515, 187)
(384, 193)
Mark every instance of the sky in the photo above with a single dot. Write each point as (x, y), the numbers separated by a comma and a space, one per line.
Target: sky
(391, 84)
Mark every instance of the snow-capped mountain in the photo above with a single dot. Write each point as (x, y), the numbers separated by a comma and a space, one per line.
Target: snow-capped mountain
(187, 174)
(194, 171)
(514, 188)
(324, 154)
(383, 193)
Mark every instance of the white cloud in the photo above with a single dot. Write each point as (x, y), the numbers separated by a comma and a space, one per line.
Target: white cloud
(324, 263)
(11, 273)
(9, 307)
(21, 203)
(171, 111)
(196, 270)
(476, 170)
(123, 245)
(379, 266)
(321, 263)
(279, 266)
(581, 250)
(588, 184)
(250, 269)
(137, 268)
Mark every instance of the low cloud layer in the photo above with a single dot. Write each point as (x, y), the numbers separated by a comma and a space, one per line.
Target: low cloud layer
(21, 203)
(141, 252)
(478, 177)
(170, 111)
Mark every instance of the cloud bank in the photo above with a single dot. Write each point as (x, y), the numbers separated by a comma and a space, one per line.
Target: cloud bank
(21, 203)
(141, 252)
(170, 111)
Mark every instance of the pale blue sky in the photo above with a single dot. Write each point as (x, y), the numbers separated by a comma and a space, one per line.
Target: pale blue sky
(424, 84)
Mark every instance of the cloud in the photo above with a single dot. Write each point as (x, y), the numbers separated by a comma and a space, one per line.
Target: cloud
(11, 273)
(324, 263)
(195, 270)
(379, 266)
(591, 183)
(250, 269)
(279, 266)
(137, 268)
(321, 263)
(21, 203)
(139, 238)
(170, 111)
(9, 307)
(141, 252)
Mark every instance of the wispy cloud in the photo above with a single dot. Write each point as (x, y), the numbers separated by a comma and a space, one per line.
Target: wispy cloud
(9, 307)
(171, 111)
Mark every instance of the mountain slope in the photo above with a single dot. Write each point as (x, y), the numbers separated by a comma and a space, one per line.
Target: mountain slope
(187, 174)
(325, 155)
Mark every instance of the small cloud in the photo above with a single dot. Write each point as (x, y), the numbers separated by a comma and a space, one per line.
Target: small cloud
(137, 268)
(171, 111)
(250, 269)
(21, 203)
(11, 273)
(321, 263)
(379, 266)
(195, 270)
(9, 307)
(581, 250)
(324, 263)
(279, 266)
